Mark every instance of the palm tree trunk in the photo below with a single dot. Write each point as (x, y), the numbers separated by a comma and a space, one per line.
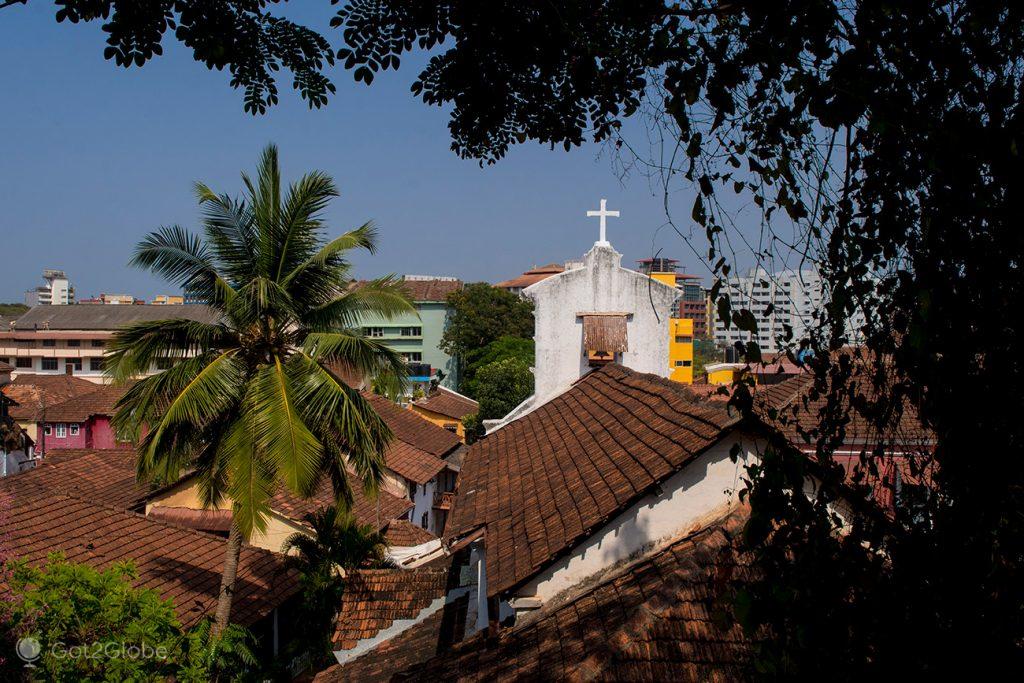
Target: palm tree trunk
(227, 580)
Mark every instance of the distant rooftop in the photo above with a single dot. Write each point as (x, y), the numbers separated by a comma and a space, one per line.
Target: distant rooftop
(85, 317)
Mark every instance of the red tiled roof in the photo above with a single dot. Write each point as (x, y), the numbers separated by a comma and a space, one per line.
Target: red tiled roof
(431, 290)
(100, 476)
(375, 598)
(419, 446)
(80, 408)
(416, 644)
(6, 367)
(448, 403)
(531, 276)
(544, 482)
(412, 428)
(180, 564)
(402, 533)
(31, 390)
(650, 620)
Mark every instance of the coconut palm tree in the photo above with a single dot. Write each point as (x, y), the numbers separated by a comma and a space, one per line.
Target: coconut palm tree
(249, 401)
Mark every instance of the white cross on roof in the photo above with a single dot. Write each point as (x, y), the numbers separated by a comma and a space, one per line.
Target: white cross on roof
(603, 214)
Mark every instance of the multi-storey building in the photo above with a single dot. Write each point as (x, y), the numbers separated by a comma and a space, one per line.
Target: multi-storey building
(777, 300)
(51, 340)
(56, 292)
(417, 336)
(693, 303)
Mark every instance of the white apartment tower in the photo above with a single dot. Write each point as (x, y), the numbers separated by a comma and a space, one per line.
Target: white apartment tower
(56, 292)
(795, 296)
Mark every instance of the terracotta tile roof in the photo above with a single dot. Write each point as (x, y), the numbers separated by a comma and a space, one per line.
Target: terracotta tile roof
(378, 512)
(6, 367)
(31, 390)
(431, 290)
(449, 403)
(180, 564)
(413, 429)
(85, 317)
(795, 407)
(419, 446)
(100, 476)
(402, 533)
(203, 520)
(80, 408)
(375, 598)
(544, 482)
(531, 276)
(416, 644)
(653, 620)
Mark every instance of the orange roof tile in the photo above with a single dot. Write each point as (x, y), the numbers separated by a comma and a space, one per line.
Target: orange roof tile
(181, 564)
(449, 403)
(402, 533)
(31, 391)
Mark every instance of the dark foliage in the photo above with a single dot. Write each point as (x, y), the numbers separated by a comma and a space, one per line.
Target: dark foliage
(482, 314)
(885, 138)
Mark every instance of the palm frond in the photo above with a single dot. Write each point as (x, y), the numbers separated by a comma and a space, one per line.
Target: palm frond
(363, 237)
(346, 419)
(181, 257)
(280, 430)
(252, 479)
(229, 228)
(300, 220)
(367, 356)
(134, 348)
(384, 298)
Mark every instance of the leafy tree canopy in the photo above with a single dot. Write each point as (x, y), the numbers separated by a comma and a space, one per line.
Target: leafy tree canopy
(12, 309)
(93, 625)
(482, 314)
(498, 350)
(502, 386)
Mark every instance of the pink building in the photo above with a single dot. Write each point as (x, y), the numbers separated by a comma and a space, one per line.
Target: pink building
(81, 422)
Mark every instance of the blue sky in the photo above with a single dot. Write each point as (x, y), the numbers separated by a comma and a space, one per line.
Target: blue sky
(93, 156)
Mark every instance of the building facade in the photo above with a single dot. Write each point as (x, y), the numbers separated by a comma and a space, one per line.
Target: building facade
(53, 340)
(417, 336)
(693, 302)
(56, 292)
(784, 298)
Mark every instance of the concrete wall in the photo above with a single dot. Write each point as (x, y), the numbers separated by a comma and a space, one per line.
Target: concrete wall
(432, 317)
(701, 492)
(602, 285)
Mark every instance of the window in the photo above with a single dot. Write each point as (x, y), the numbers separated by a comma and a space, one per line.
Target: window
(413, 357)
(451, 426)
(74, 342)
(48, 429)
(423, 521)
(373, 331)
(49, 364)
(411, 332)
(62, 430)
(74, 430)
(76, 363)
(25, 343)
(684, 363)
(683, 339)
(96, 364)
(49, 342)
(23, 362)
(97, 343)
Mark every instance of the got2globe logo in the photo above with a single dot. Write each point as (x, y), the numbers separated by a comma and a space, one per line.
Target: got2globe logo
(28, 650)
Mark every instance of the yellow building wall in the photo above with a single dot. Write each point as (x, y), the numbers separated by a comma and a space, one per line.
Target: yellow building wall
(441, 421)
(680, 350)
(680, 340)
(727, 376)
(186, 495)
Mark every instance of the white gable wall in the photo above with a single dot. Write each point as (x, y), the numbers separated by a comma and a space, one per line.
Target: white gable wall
(702, 491)
(601, 285)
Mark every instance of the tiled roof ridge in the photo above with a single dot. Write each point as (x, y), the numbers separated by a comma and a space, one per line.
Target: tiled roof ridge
(568, 597)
